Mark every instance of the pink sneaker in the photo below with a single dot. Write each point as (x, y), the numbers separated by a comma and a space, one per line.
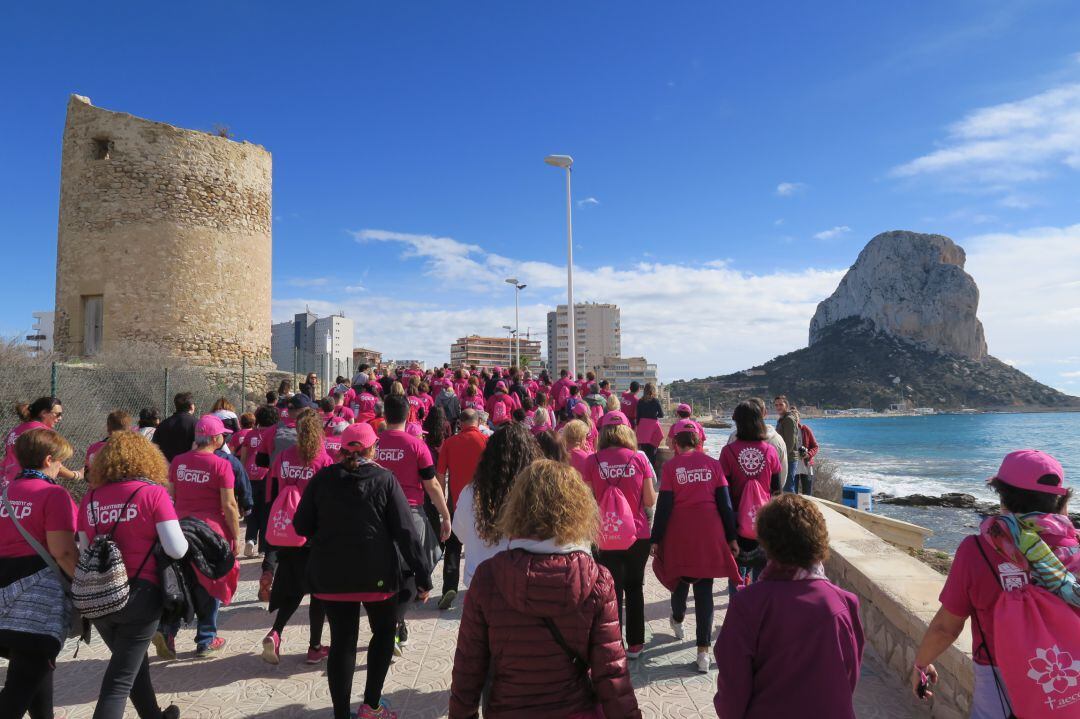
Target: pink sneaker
(314, 656)
(383, 712)
(211, 649)
(634, 651)
(271, 653)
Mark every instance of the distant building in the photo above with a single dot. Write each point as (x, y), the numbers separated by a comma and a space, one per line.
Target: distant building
(308, 343)
(492, 352)
(406, 363)
(621, 371)
(598, 335)
(41, 337)
(362, 355)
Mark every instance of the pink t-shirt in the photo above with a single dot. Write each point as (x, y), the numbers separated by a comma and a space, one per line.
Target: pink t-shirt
(289, 468)
(365, 404)
(344, 413)
(628, 403)
(629, 470)
(254, 442)
(405, 456)
(10, 467)
(40, 506)
(743, 461)
(198, 478)
(100, 511)
(692, 478)
(332, 445)
(578, 459)
(91, 451)
(972, 589)
(236, 440)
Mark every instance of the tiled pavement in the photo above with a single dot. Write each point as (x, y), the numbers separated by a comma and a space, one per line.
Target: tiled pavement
(239, 684)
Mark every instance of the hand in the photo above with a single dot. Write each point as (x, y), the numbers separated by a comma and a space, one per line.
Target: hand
(652, 550)
(916, 680)
(238, 548)
(734, 548)
(422, 596)
(445, 528)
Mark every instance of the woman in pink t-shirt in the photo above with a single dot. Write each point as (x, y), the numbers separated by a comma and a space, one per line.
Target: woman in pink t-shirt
(296, 466)
(128, 501)
(117, 421)
(45, 511)
(42, 413)
(1031, 486)
(266, 418)
(618, 462)
(694, 533)
(574, 435)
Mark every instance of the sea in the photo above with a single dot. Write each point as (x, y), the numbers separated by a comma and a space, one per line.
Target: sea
(935, 454)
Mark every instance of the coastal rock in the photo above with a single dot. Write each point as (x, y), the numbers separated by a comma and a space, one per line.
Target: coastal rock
(955, 500)
(912, 286)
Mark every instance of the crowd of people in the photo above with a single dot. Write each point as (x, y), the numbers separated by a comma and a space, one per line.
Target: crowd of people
(543, 498)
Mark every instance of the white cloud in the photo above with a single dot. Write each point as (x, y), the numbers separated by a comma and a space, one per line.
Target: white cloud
(1071, 375)
(778, 223)
(587, 202)
(832, 234)
(787, 189)
(355, 289)
(308, 281)
(1000, 146)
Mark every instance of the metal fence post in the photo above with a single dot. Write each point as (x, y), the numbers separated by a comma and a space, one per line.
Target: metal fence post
(243, 385)
(52, 380)
(165, 402)
(296, 385)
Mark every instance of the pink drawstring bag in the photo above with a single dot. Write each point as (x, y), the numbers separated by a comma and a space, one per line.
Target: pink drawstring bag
(279, 525)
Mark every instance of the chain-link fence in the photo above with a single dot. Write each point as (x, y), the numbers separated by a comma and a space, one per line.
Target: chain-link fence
(89, 392)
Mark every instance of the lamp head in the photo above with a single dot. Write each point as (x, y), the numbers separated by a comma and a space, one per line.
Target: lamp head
(511, 280)
(564, 161)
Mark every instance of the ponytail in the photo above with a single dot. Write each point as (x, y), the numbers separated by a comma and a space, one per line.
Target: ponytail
(22, 409)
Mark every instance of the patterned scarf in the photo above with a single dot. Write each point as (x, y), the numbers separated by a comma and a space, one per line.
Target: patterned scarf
(789, 573)
(35, 474)
(1019, 539)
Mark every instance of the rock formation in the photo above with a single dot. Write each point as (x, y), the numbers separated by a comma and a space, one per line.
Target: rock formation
(912, 286)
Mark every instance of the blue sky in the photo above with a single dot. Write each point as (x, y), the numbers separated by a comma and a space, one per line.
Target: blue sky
(731, 160)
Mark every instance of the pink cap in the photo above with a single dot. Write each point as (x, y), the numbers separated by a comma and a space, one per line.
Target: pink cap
(685, 425)
(501, 386)
(211, 426)
(361, 434)
(684, 408)
(613, 419)
(581, 408)
(1023, 469)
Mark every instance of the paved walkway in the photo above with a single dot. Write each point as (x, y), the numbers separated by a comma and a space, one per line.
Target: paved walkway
(239, 684)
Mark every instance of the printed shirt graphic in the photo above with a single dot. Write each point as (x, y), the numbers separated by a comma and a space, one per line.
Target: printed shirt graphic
(289, 468)
(198, 478)
(40, 507)
(626, 468)
(405, 455)
(9, 467)
(100, 510)
(692, 478)
(743, 461)
(254, 443)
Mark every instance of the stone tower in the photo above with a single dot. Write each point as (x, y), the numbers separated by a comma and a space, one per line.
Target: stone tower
(164, 240)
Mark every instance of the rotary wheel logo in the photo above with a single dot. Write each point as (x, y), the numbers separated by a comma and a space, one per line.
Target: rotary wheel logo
(1054, 670)
(611, 523)
(751, 460)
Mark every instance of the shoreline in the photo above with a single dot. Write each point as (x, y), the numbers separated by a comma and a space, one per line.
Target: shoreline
(948, 413)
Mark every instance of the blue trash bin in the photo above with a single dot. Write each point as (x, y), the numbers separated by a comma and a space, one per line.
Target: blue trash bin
(858, 496)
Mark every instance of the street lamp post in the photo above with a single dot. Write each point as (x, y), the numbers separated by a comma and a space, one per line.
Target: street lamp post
(517, 324)
(565, 162)
(510, 341)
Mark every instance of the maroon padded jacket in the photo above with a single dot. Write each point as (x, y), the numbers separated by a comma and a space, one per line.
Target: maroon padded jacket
(503, 635)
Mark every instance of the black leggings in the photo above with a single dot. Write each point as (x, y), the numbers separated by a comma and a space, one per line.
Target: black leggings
(703, 607)
(28, 687)
(256, 521)
(316, 617)
(344, 618)
(627, 567)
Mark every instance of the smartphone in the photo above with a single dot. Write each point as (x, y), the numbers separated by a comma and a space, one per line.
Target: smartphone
(924, 684)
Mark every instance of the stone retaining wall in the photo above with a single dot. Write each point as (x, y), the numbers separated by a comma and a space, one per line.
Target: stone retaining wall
(898, 596)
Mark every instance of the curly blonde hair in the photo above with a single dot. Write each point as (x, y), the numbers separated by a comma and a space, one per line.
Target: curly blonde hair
(574, 433)
(128, 455)
(549, 501)
(310, 437)
(612, 404)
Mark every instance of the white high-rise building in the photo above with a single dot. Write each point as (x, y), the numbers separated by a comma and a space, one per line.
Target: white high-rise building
(307, 343)
(598, 336)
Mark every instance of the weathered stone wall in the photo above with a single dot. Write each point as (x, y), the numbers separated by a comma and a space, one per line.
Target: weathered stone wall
(172, 228)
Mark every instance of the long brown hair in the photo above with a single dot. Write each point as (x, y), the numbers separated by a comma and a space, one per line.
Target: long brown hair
(309, 435)
(511, 449)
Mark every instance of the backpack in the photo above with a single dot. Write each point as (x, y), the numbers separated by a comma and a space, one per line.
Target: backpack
(284, 437)
(1041, 669)
(754, 497)
(100, 585)
(279, 524)
(617, 527)
(498, 412)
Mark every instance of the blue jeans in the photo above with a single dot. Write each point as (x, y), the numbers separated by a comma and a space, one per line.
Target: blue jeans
(206, 613)
(790, 483)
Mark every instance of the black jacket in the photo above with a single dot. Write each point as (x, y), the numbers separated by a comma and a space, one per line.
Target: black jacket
(175, 434)
(356, 524)
(649, 409)
(208, 551)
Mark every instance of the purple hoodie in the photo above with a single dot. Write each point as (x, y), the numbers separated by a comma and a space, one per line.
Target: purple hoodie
(787, 645)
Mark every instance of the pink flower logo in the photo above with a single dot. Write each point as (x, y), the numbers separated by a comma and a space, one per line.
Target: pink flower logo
(1054, 670)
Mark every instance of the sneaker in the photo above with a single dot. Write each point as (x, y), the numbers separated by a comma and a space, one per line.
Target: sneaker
(382, 712)
(266, 581)
(171, 712)
(314, 656)
(165, 646)
(704, 661)
(271, 648)
(209, 650)
(251, 549)
(397, 648)
(447, 600)
(676, 628)
(634, 651)
(403, 634)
